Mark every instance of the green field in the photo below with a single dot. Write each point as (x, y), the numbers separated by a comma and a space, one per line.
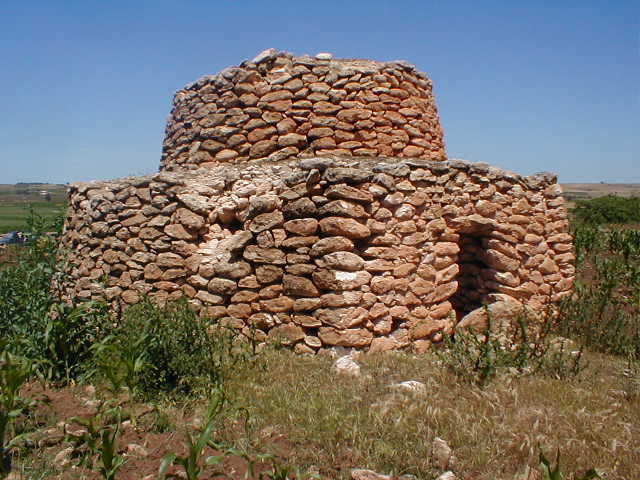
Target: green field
(16, 199)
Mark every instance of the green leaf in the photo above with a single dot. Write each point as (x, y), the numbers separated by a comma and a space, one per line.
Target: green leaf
(167, 461)
(589, 475)
(214, 459)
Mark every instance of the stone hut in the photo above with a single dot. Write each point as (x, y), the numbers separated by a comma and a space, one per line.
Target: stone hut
(310, 200)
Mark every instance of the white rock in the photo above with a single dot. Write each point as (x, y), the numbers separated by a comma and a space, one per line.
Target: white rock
(346, 366)
(324, 56)
(447, 476)
(136, 450)
(442, 454)
(411, 386)
(63, 458)
(265, 55)
(361, 474)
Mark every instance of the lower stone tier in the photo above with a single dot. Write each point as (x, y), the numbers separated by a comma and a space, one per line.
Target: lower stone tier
(374, 254)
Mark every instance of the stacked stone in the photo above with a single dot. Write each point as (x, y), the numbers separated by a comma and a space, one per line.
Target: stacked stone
(280, 106)
(322, 252)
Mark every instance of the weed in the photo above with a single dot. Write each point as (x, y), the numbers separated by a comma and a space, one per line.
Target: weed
(550, 472)
(14, 372)
(123, 363)
(170, 349)
(99, 439)
(478, 359)
(34, 319)
(192, 463)
(602, 312)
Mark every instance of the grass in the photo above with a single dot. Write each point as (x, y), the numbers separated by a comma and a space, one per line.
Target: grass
(495, 432)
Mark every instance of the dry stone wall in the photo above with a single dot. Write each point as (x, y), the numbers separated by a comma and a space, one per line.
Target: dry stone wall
(280, 106)
(318, 252)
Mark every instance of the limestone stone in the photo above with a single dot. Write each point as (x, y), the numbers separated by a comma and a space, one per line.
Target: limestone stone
(427, 327)
(304, 304)
(253, 253)
(239, 310)
(341, 318)
(189, 219)
(195, 202)
(266, 221)
(343, 208)
(307, 321)
(287, 334)
(292, 140)
(500, 261)
(262, 148)
(340, 280)
(299, 286)
(277, 305)
(301, 208)
(297, 242)
(352, 337)
(342, 261)
(345, 227)
(363, 474)
(347, 192)
(331, 244)
(504, 310)
(177, 231)
(302, 226)
(268, 273)
(222, 286)
(342, 299)
(168, 259)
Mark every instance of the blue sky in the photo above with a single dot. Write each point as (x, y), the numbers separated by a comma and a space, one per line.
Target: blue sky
(527, 86)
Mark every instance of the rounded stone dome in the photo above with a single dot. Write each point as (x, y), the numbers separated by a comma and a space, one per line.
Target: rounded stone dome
(279, 106)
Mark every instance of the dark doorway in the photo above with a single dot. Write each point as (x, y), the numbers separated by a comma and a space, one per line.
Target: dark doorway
(474, 278)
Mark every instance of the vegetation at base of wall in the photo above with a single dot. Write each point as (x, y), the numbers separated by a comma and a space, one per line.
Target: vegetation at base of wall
(603, 313)
(519, 350)
(610, 209)
(169, 350)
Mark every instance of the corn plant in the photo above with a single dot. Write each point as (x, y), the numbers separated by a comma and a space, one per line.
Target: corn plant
(14, 372)
(99, 439)
(122, 364)
(193, 462)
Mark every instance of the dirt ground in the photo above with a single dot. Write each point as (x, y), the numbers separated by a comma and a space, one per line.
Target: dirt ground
(140, 443)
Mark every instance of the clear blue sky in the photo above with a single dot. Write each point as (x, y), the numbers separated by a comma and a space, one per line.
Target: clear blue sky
(524, 85)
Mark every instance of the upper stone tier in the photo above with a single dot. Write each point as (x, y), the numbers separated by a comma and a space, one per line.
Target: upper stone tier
(279, 106)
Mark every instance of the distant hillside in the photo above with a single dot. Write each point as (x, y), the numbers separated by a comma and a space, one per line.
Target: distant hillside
(585, 191)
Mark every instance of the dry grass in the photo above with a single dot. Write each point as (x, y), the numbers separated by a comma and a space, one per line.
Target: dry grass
(338, 422)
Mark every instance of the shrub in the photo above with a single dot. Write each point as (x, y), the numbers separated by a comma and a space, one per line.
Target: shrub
(520, 350)
(606, 210)
(170, 349)
(602, 313)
